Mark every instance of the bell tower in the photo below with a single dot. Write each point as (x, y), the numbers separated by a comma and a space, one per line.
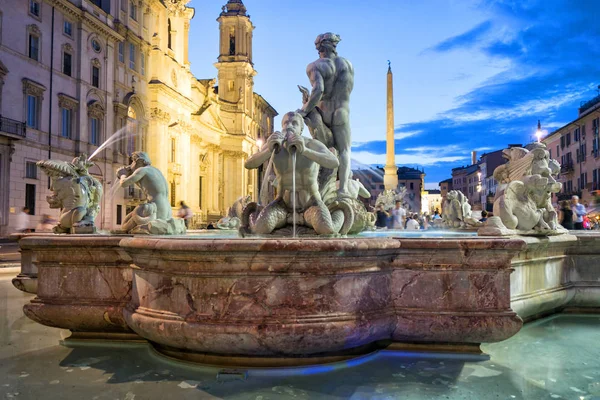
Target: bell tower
(236, 71)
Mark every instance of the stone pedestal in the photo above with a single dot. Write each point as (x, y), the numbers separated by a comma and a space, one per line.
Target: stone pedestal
(83, 282)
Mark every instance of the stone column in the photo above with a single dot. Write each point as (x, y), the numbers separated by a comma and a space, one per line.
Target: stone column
(157, 139)
(390, 179)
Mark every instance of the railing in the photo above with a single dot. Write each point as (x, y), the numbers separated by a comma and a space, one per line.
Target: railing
(567, 168)
(12, 127)
(589, 104)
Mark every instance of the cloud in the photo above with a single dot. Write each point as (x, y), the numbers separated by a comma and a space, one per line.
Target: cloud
(550, 52)
(467, 39)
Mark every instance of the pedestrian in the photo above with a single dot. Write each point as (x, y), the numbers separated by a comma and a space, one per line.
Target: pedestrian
(412, 223)
(579, 212)
(382, 217)
(484, 216)
(46, 225)
(566, 215)
(186, 213)
(23, 221)
(398, 216)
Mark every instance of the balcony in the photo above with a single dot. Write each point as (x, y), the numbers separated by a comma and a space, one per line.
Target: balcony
(567, 168)
(588, 104)
(12, 128)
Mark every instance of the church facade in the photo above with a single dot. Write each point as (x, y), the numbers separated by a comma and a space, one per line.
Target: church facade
(85, 72)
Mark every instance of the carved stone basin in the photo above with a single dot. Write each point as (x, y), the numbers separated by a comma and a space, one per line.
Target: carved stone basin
(277, 301)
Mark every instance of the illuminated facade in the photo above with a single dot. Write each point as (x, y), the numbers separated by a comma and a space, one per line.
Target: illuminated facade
(122, 66)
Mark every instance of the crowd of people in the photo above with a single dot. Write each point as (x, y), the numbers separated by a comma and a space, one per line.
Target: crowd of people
(572, 215)
(399, 218)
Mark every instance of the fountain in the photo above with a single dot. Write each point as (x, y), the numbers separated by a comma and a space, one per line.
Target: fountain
(274, 299)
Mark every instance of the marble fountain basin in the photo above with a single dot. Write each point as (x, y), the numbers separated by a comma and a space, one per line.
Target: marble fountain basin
(268, 302)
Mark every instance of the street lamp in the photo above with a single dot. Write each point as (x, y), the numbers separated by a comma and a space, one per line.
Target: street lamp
(538, 133)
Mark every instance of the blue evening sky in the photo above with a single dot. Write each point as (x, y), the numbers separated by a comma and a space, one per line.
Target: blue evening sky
(468, 74)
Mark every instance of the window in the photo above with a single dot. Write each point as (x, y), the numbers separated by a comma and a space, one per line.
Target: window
(576, 135)
(173, 150)
(30, 170)
(34, 7)
(68, 28)
(550, 153)
(568, 138)
(121, 52)
(124, 5)
(169, 42)
(96, 46)
(412, 186)
(30, 198)
(66, 122)
(132, 56)
(119, 214)
(200, 193)
(582, 181)
(557, 152)
(173, 188)
(96, 77)
(562, 142)
(97, 3)
(94, 131)
(67, 63)
(133, 10)
(33, 111)
(142, 64)
(34, 47)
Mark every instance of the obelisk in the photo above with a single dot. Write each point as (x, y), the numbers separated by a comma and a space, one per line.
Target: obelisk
(390, 179)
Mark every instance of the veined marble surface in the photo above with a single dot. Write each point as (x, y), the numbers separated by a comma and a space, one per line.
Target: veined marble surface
(553, 358)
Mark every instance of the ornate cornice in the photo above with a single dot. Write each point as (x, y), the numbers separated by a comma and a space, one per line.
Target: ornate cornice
(95, 110)
(65, 101)
(67, 47)
(176, 7)
(234, 153)
(33, 28)
(33, 88)
(96, 63)
(101, 27)
(158, 114)
(67, 8)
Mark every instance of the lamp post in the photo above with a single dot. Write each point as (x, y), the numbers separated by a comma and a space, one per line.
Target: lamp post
(538, 133)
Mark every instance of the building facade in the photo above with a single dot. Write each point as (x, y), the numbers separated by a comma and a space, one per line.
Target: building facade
(576, 146)
(109, 77)
(410, 178)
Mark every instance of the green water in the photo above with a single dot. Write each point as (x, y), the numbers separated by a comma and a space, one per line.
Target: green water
(554, 358)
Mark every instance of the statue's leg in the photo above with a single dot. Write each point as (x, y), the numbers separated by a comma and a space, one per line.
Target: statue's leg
(341, 135)
(273, 216)
(77, 216)
(318, 217)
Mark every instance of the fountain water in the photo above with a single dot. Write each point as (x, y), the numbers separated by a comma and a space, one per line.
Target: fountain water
(124, 132)
(293, 150)
(264, 189)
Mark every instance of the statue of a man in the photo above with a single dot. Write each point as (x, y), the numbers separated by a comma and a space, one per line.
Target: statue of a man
(153, 184)
(311, 154)
(332, 80)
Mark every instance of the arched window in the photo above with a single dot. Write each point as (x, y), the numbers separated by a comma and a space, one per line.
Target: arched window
(169, 43)
(232, 42)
